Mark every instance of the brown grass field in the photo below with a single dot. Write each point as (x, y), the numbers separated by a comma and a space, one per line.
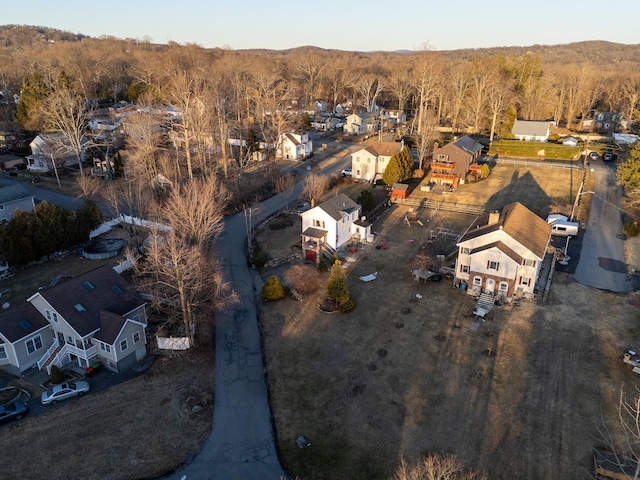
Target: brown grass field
(402, 377)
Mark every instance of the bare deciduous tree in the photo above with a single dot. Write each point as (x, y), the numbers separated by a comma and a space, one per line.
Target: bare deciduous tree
(181, 271)
(436, 467)
(622, 435)
(316, 188)
(66, 113)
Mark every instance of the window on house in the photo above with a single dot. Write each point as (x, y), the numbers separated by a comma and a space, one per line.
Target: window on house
(368, 160)
(123, 345)
(79, 308)
(3, 352)
(105, 348)
(464, 268)
(318, 223)
(55, 316)
(48, 314)
(88, 285)
(136, 317)
(529, 263)
(34, 344)
(477, 281)
(117, 290)
(136, 337)
(525, 281)
(465, 251)
(493, 265)
(503, 286)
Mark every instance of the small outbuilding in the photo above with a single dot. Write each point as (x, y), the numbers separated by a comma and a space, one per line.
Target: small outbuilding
(399, 191)
(570, 141)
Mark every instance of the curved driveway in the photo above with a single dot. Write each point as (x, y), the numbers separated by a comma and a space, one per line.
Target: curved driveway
(242, 444)
(602, 264)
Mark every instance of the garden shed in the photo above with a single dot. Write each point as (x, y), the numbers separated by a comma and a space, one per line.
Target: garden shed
(399, 191)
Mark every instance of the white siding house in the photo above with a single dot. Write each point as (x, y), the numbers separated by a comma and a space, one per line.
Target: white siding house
(294, 146)
(370, 162)
(332, 224)
(530, 131)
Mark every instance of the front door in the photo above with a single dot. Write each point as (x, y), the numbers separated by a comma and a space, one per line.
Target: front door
(490, 285)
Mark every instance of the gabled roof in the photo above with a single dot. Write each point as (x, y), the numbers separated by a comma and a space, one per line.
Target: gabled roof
(11, 193)
(292, 139)
(383, 149)
(80, 300)
(110, 326)
(530, 128)
(503, 248)
(21, 321)
(466, 144)
(337, 205)
(517, 221)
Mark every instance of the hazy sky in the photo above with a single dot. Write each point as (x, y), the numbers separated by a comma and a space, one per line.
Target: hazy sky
(361, 25)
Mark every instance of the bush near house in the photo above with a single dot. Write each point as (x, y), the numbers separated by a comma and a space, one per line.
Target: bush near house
(272, 289)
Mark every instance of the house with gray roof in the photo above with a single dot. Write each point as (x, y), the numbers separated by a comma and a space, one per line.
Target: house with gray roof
(24, 337)
(93, 318)
(331, 225)
(502, 252)
(12, 198)
(450, 163)
(531, 131)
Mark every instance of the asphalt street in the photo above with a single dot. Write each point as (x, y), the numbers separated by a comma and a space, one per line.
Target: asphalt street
(602, 263)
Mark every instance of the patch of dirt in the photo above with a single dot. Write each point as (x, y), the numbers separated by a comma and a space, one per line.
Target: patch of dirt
(151, 424)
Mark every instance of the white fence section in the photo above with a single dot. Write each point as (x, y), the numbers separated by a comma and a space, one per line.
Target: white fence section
(128, 219)
(173, 343)
(123, 265)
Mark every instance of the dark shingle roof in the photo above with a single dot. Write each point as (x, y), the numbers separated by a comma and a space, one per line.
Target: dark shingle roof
(520, 223)
(65, 298)
(20, 321)
(468, 144)
(337, 205)
(11, 193)
(110, 326)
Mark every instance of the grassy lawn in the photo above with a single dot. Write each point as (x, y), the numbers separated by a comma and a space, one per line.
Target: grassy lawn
(515, 148)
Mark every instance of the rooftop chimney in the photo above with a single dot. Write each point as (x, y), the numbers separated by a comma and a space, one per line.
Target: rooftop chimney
(494, 217)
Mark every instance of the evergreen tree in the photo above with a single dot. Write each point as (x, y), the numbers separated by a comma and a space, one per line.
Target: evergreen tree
(628, 172)
(400, 167)
(32, 94)
(366, 200)
(338, 289)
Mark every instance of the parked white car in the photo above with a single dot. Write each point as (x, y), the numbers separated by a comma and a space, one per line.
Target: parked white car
(64, 391)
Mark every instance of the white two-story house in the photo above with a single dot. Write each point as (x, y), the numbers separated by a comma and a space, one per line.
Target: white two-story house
(502, 253)
(370, 162)
(330, 225)
(360, 123)
(294, 146)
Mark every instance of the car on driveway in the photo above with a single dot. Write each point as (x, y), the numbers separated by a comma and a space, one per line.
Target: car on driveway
(607, 157)
(593, 155)
(302, 207)
(347, 172)
(12, 411)
(64, 391)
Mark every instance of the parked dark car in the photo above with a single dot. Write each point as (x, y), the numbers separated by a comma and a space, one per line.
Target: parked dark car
(13, 411)
(607, 157)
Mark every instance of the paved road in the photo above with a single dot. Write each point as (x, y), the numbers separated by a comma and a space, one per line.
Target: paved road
(242, 443)
(602, 263)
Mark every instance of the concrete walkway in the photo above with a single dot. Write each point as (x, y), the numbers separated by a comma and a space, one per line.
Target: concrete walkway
(602, 263)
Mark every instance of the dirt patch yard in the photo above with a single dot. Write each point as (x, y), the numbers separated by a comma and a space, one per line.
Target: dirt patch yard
(405, 374)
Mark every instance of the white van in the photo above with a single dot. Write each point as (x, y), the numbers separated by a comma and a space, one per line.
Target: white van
(561, 226)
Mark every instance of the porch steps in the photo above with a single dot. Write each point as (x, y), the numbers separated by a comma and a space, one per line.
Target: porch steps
(52, 357)
(484, 304)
